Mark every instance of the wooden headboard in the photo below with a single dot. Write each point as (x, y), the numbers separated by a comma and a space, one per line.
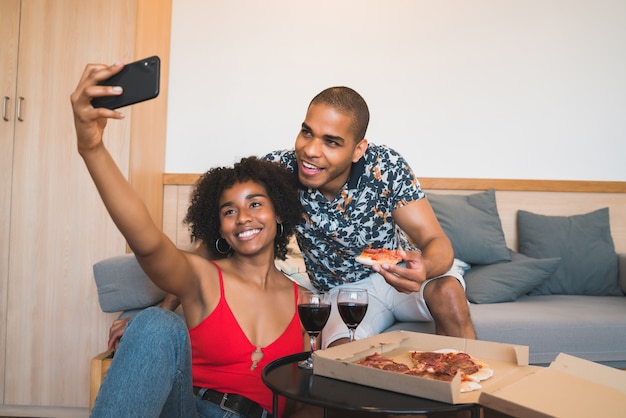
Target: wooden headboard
(546, 197)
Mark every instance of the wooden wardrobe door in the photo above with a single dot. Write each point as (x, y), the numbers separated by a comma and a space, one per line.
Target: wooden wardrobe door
(9, 38)
(58, 223)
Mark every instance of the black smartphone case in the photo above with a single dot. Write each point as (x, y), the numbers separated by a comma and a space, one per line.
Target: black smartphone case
(140, 81)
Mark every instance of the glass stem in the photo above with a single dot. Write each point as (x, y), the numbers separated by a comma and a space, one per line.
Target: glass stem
(313, 338)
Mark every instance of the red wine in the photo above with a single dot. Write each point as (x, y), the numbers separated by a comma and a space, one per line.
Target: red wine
(352, 313)
(313, 316)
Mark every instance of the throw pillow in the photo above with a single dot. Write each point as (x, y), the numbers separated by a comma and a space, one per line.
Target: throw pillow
(507, 281)
(583, 242)
(473, 225)
(122, 285)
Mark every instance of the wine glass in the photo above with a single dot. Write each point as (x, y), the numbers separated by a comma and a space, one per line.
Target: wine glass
(314, 310)
(352, 305)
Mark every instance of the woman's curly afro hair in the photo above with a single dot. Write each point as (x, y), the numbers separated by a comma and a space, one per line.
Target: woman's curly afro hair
(281, 186)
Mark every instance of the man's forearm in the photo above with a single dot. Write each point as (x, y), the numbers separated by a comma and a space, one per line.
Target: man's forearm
(438, 257)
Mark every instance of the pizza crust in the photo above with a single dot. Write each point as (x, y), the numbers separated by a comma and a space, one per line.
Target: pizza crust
(369, 262)
(377, 258)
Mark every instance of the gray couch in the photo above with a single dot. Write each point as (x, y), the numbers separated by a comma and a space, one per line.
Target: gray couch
(589, 327)
(562, 292)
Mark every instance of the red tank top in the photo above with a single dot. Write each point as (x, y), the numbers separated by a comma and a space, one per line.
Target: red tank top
(221, 353)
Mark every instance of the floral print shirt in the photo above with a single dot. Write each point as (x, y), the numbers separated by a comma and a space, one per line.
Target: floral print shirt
(334, 232)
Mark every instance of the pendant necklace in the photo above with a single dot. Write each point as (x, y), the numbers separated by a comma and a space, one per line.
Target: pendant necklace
(257, 355)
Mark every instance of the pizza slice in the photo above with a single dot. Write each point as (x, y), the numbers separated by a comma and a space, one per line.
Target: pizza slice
(371, 256)
(449, 363)
(378, 361)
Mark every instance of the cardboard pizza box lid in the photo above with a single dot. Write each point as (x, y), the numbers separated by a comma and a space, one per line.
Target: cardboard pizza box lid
(506, 360)
(570, 387)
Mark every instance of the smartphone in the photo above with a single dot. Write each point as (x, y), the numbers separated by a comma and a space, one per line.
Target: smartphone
(140, 81)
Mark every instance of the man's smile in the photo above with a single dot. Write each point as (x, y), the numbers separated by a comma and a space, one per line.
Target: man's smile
(310, 169)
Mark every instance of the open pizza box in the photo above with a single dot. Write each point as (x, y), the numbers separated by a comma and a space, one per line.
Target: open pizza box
(338, 362)
(569, 387)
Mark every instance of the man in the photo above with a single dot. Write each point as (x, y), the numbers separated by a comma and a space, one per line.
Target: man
(354, 195)
(359, 195)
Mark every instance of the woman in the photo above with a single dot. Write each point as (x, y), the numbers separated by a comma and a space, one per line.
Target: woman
(241, 311)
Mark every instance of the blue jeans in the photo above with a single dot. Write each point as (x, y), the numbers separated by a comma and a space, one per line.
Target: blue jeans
(150, 375)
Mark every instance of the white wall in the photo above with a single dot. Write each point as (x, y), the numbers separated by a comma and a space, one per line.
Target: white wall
(526, 89)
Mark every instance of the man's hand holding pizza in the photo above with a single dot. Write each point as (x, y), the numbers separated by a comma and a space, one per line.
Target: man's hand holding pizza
(404, 279)
(420, 224)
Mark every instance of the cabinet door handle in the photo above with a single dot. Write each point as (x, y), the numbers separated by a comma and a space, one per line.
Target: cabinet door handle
(5, 102)
(19, 109)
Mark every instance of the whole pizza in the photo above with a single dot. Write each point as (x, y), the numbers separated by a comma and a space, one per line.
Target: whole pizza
(438, 365)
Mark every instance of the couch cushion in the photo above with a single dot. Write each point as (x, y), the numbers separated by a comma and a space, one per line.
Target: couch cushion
(508, 280)
(122, 285)
(589, 327)
(588, 264)
(473, 226)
